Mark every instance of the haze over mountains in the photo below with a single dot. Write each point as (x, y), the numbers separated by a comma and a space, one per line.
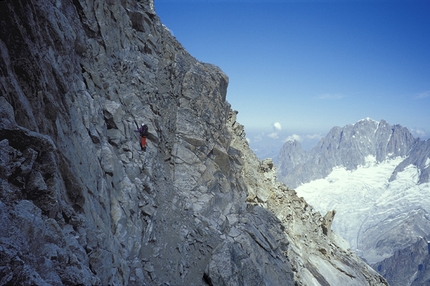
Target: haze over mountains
(375, 175)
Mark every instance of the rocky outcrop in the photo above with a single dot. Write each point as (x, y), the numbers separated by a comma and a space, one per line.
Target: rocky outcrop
(407, 266)
(418, 156)
(80, 203)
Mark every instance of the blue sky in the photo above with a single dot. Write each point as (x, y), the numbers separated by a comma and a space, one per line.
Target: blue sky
(298, 68)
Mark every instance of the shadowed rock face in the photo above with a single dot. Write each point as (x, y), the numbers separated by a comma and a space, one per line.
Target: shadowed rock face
(408, 266)
(80, 203)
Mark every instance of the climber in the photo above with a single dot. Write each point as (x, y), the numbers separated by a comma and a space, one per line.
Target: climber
(143, 132)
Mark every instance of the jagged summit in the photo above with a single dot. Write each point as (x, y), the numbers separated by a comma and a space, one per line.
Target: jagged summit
(369, 119)
(346, 146)
(82, 204)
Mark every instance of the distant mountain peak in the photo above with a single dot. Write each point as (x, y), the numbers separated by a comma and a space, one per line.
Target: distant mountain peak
(346, 147)
(292, 141)
(368, 119)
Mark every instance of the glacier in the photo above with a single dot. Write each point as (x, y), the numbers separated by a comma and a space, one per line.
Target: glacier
(374, 214)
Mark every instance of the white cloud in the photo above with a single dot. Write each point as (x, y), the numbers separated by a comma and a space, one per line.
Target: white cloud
(277, 126)
(330, 96)
(273, 135)
(314, 136)
(419, 133)
(293, 137)
(258, 138)
(425, 94)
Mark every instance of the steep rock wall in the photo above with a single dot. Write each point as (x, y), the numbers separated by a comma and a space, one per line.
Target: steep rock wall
(80, 203)
(408, 266)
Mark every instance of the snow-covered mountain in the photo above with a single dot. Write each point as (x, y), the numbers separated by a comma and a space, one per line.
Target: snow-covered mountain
(376, 177)
(348, 147)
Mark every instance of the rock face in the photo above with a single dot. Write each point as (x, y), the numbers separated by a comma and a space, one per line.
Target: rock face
(348, 147)
(407, 266)
(80, 203)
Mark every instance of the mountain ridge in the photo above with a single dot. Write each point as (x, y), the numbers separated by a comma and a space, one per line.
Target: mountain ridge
(348, 146)
(81, 203)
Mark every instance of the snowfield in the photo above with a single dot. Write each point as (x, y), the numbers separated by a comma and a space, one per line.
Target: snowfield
(427, 163)
(371, 212)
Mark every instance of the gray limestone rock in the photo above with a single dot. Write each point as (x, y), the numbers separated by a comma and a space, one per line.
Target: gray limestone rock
(231, 262)
(327, 221)
(80, 203)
